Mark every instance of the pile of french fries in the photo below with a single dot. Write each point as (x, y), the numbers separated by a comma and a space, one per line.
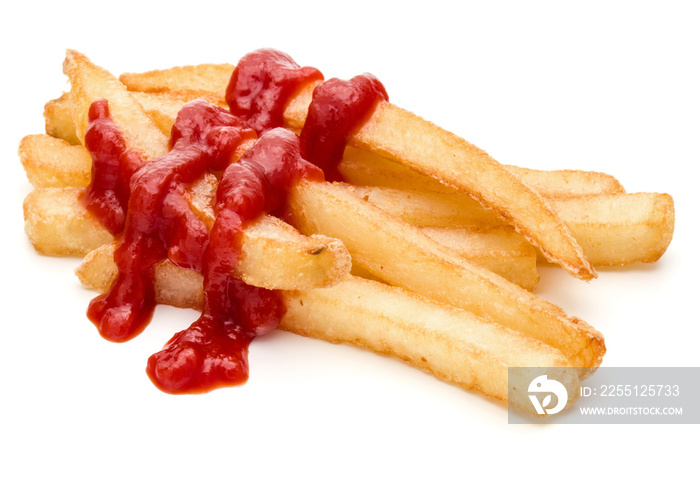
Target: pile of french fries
(428, 253)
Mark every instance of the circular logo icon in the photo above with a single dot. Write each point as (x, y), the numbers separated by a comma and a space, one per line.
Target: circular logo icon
(544, 386)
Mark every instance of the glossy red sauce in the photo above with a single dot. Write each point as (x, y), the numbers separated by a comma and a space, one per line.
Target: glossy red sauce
(145, 202)
(213, 351)
(338, 108)
(265, 80)
(261, 85)
(159, 223)
(113, 165)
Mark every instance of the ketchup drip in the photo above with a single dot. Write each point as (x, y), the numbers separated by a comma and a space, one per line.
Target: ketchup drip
(213, 351)
(113, 165)
(262, 84)
(338, 108)
(159, 222)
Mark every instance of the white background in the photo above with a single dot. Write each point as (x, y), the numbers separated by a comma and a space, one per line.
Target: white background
(606, 86)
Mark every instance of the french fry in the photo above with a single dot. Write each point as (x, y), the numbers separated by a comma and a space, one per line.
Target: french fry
(620, 229)
(58, 119)
(57, 224)
(364, 168)
(53, 162)
(173, 286)
(451, 344)
(293, 261)
(402, 255)
(563, 183)
(498, 249)
(209, 79)
(614, 229)
(90, 83)
(403, 137)
(428, 208)
(163, 107)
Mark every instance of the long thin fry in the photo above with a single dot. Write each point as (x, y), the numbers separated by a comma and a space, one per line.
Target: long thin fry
(211, 79)
(53, 162)
(451, 344)
(90, 83)
(498, 249)
(364, 168)
(58, 119)
(58, 224)
(613, 229)
(402, 255)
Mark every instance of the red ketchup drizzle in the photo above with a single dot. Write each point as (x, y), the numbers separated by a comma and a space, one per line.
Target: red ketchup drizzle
(262, 84)
(213, 351)
(146, 203)
(265, 80)
(338, 108)
(159, 222)
(107, 195)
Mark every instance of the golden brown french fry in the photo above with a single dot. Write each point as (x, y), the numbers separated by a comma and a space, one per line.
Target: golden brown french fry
(211, 79)
(563, 183)
(473, 246)
(58, 224)
(292, 261)
(428, 208)
(498, 249)
(619, 229)
(172, 285)
(90, 83)
(161, 107)
(364, 168)
(52, 162)
(277, 256)
(404, 137)
(451, 344)
(58, 119)
(614, 229)
(402, 255)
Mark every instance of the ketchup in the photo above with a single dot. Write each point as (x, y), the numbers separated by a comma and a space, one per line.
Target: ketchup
(265, 80)
(261, 85)
(213, 351)
(113, 165)
(159, 223)
(337, 109)
(144, 204)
